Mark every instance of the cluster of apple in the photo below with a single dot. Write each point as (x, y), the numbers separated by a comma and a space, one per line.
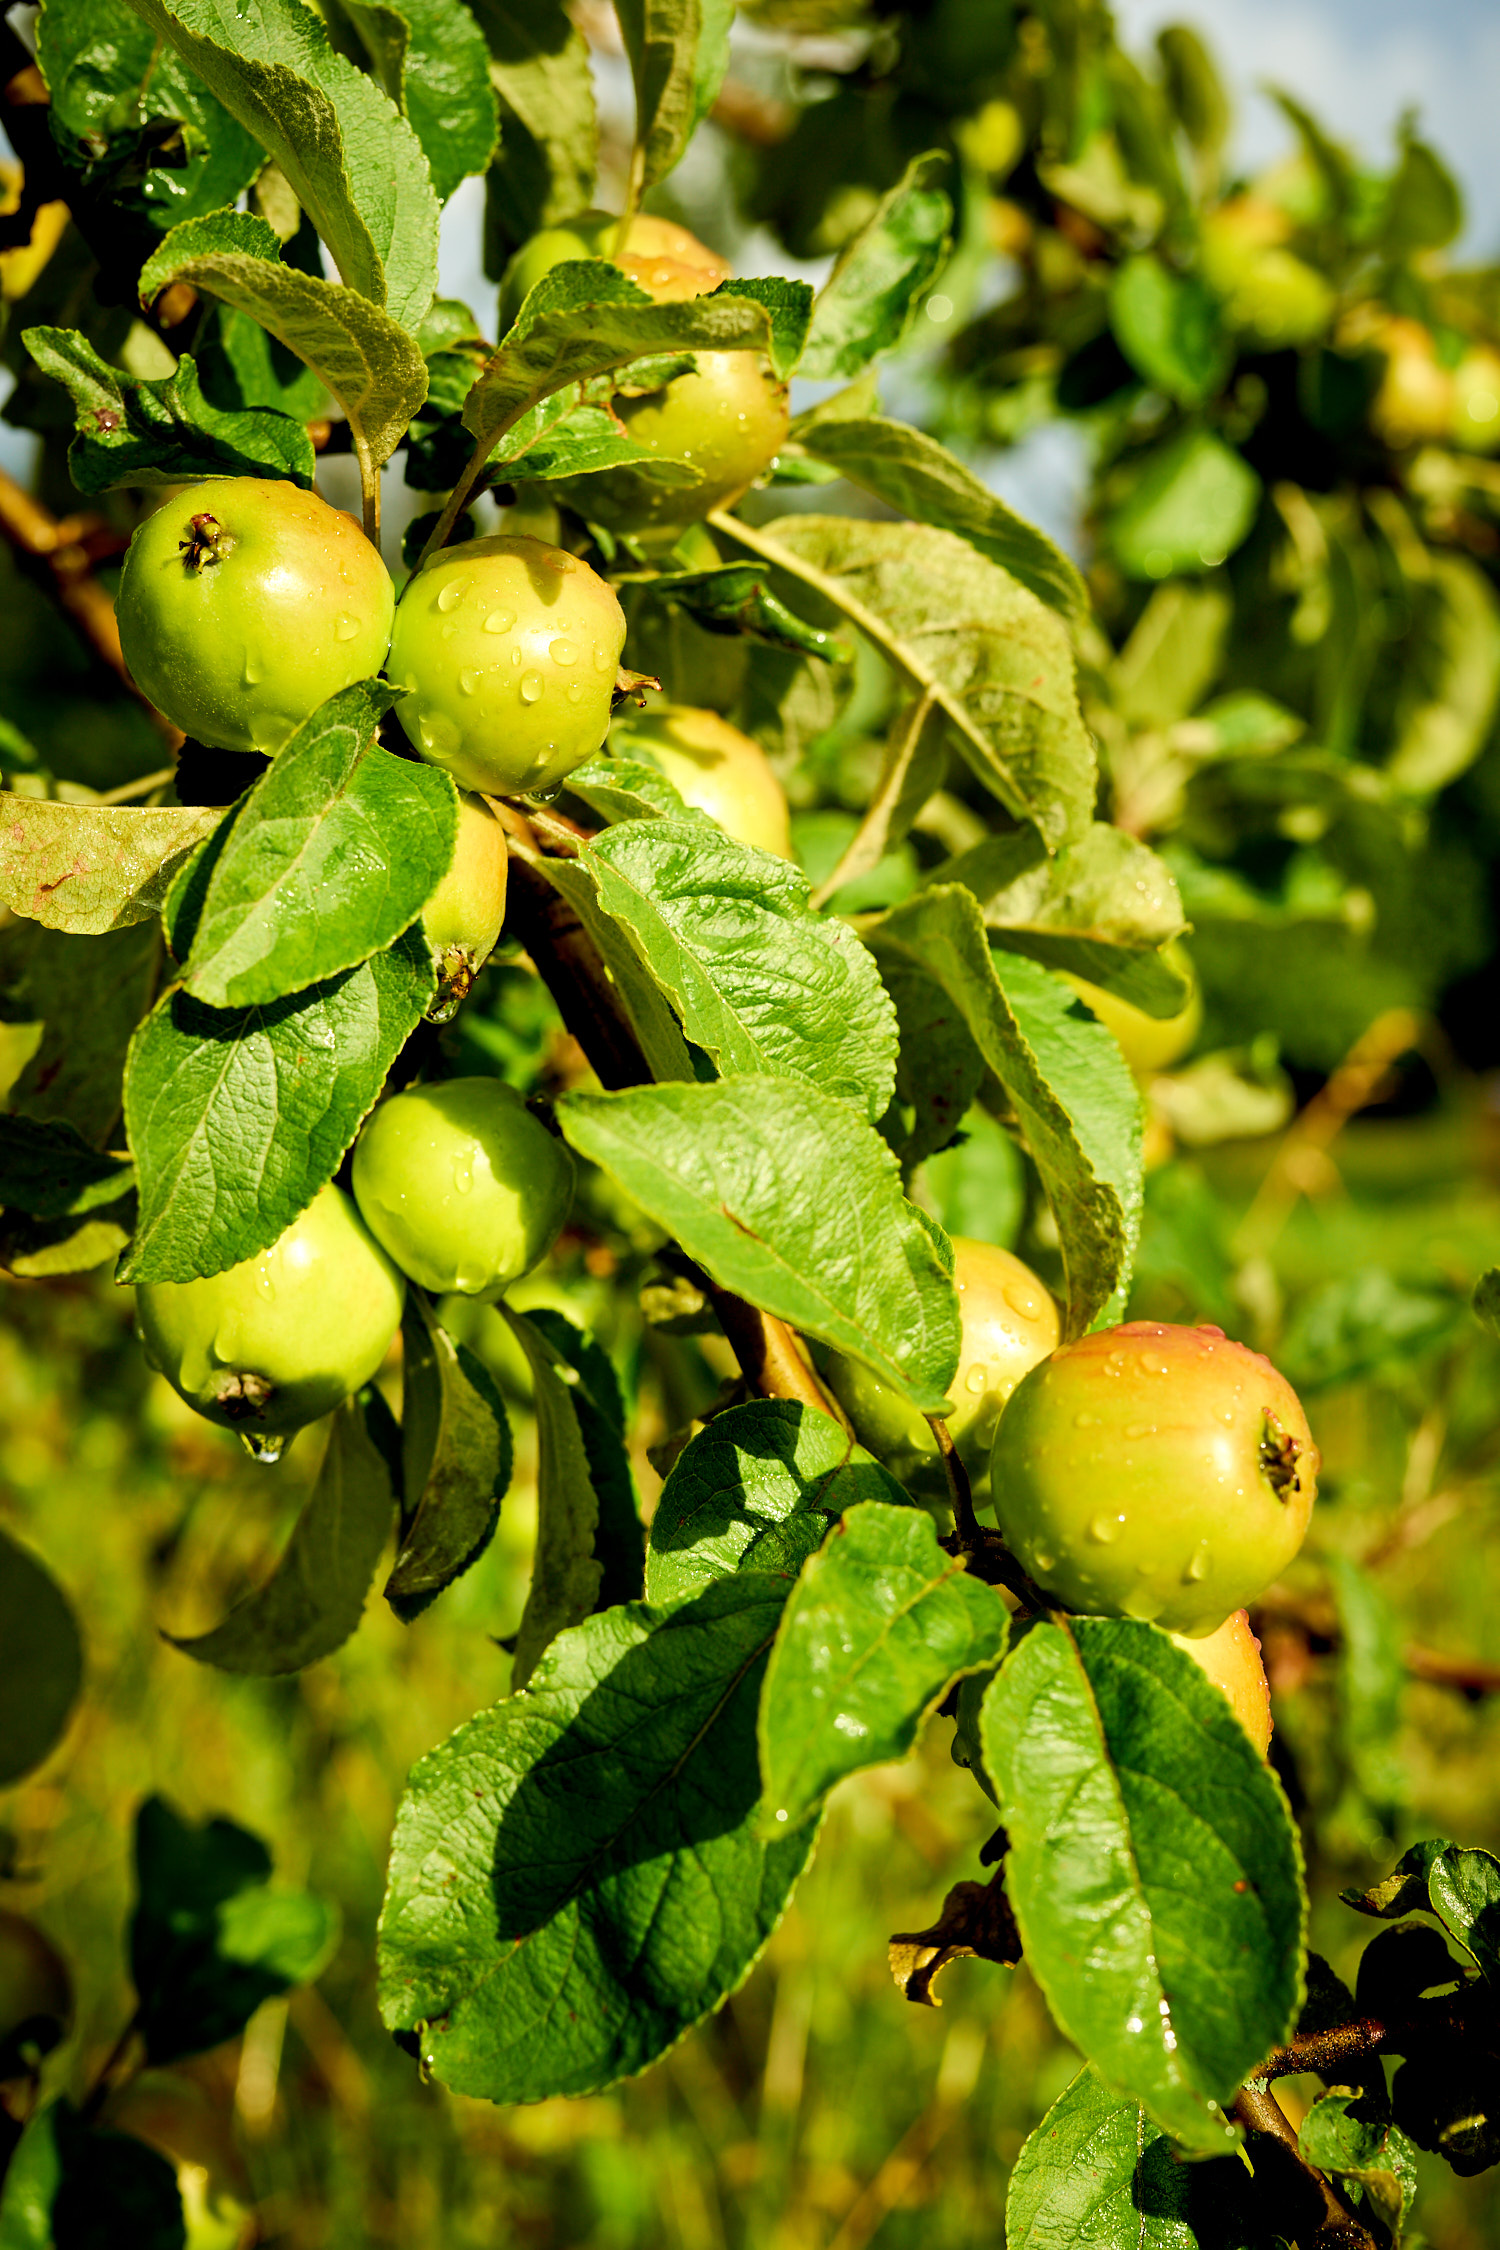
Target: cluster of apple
(1151, 1470)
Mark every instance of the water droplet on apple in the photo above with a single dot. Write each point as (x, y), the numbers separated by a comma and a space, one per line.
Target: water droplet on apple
(975, 1381)
(468, 682)
(532, 687)
(500, 620)
(451, 594)
(1197, 1569)
(1105, 1529)
(563, 652)
(463, 1171)
(267, 1450)
(345, 627)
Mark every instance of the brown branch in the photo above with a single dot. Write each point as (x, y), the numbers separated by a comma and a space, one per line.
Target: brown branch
(568, 962)
(1436, 2024)
(1260, 2113)
(960, 1491)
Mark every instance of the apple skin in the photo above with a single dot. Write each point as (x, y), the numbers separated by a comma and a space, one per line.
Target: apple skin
(1150, 1044)
(1155, 1471)
(1231, 1658)
(463, 918)
(1476, 400)
(308, 1321)
(462, 1185)
(238, 650)
(508, 651)
(1009, 1325)
(718, 771)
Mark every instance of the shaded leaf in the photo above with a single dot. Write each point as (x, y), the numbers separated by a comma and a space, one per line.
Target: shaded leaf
(315, 1596)
(565, 1573)
(756, 1490)
(209, 1939)
(69, 2186)
(431, 58)
(43, 1667)
(976, 1924)
(619, 1536)
(575, 1879)
(539, 65)
(87, 994)
(456, 1461)
(50, 1172)
(871, 298)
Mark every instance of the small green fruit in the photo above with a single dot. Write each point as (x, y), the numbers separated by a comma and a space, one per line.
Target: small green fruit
(275, 1342)
(718, 770)
(1157, 1472)
(1009, 1324)
(509, 651)
(245, 603)
(462, 1185)
(463, 917)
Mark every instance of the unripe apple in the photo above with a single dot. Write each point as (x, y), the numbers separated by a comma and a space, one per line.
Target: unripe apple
(245, 603)
(1155, 1471)
(463, 917)
(1231, 1658)
(1009, 1324)
(717, 770)
(595, 234)
(1150, 1044)
(36, 1994)
(275, 1342)
(1476, 400)
(464, 1187)
(508, 650)
(1415, 401)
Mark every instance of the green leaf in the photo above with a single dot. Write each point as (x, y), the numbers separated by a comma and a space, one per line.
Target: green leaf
(594, 1388)
(104, 70)
(679, 52)
(910, 471)
(88, 994)
(315, 1597)
(878, 1627)
(50, 1171)
(1424, 208)
(456, 1461)
(1194, 88)
(1102, 909)
(69, 2187)
(758, 982)
(586, 319)
(787, 1198)
(871, 298)
(209, 1939)
(331, 855)
(1097, 2175)
(755, 1490)
(1371, 2157)
(565, 1573)
(1450, 676)
(1368, 1325)
(92, 868)
(354, 164)
(1459, 1887)
(1193, 503)
(734, 598)
(134, 432)
(370, 363)
(1170, 328)
(575, 1878)
(587, 440)
(1078, 1107)
(962, 629)
(539, 65)
(236, 1117)
(625, 788)
(1371, 1693)
(43, 1667)
(1486, 1301)
(431, 58)
(1153, 1867)
(640, 990)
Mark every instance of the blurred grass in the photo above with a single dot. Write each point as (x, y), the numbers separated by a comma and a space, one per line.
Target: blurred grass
(819, 2111)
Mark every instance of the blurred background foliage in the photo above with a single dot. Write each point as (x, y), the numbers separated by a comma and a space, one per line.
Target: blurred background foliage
(1284, 394)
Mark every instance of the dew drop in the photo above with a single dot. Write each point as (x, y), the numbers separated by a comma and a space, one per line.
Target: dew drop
(532, 686)
(975, 1381)
(1153, 1363)
(463, 1172)
(468, 682)
(1141, 1429)
(265, 1284)
(1085, 1421)
(575, 691)
(1041, 1560)
(450, 595)
(500, 620)
(1105, 1529)
(602, 659)
(449, 631)
(345, 627)
(1021, 1303)
(563, 652)
(266, 1450)
(1197, 1569)
(252, 675)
